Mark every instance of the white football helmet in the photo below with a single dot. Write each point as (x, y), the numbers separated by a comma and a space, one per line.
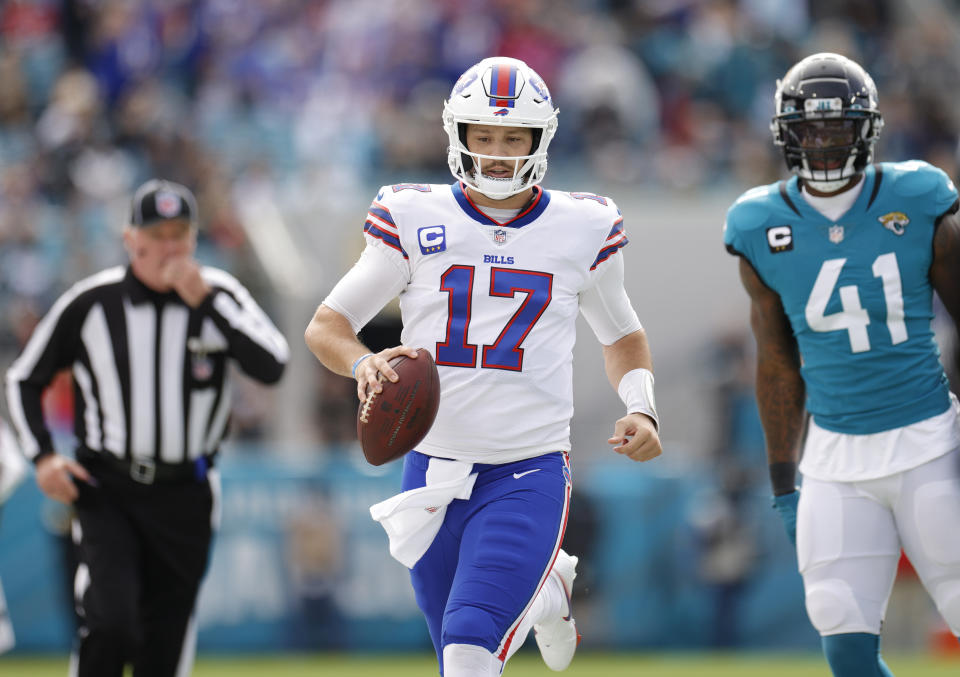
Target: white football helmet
(508, 93)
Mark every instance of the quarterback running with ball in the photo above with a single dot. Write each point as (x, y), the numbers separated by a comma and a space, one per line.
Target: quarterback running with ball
(492, 272)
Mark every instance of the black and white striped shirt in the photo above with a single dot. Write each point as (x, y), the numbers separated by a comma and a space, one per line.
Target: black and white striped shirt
(150, 373)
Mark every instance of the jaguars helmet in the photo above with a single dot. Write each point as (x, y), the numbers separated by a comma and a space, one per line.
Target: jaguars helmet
(508, 93)
(826, 121)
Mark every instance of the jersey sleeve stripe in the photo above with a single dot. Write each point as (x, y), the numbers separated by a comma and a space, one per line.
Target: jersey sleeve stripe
(616, 230)
(383, 213)
(379, 222)
(609, 251)
(387, 238)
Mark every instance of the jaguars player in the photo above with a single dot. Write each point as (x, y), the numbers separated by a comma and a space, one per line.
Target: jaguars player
(841, 263)
(492, 272)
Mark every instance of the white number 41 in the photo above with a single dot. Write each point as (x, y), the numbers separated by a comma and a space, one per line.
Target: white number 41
(854, 317)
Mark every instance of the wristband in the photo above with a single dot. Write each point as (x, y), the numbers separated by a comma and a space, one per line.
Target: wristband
(636, 391)
(783, 477)
(353, 370)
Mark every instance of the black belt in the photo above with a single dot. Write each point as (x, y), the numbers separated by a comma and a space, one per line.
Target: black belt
(146, 470)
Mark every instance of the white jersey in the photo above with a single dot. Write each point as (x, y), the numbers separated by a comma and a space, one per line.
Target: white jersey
(496, 306)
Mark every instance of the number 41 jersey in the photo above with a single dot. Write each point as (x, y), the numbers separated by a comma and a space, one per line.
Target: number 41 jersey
(496, 304)
(857, 292)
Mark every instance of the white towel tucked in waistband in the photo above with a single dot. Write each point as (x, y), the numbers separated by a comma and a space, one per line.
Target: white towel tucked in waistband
(413, 518)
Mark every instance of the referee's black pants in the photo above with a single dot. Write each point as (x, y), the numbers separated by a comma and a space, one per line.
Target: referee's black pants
(143, 550)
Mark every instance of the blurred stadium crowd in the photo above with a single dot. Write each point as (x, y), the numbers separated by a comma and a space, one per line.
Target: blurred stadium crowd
(334, 95)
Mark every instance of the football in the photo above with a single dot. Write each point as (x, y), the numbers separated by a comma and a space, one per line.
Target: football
(391, 423)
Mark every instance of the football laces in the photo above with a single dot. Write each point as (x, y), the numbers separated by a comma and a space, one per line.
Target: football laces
(365, 410)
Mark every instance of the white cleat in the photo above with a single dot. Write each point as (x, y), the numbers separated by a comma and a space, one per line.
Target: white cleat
(558, 638)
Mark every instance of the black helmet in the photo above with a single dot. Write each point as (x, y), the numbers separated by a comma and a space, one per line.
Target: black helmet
(826, 118)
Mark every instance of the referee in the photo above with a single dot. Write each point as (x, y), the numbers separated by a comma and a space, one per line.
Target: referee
(148, 345)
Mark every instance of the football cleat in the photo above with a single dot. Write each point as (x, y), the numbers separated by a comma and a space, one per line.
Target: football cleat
(558, 638)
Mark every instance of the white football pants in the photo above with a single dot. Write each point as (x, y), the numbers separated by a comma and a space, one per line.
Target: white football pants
(849, 536)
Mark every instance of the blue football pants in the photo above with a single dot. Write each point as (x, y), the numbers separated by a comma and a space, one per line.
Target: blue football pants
(493, 552)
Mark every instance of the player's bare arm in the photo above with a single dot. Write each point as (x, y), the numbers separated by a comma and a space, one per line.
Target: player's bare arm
(331, 339)
(945, 270)
(780, 388)
(635, 435)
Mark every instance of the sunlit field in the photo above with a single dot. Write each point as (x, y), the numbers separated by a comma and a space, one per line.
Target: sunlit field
(524, 665)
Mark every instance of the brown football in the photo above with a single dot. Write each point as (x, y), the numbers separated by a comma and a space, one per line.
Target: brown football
(391, 423)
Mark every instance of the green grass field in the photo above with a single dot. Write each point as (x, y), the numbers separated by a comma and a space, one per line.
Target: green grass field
(522, 665)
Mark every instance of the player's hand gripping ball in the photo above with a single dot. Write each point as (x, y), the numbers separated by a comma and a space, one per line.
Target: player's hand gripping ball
(391, 423)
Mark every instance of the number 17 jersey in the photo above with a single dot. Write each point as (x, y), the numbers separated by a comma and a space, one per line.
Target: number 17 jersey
(496, 304)
(857, 292)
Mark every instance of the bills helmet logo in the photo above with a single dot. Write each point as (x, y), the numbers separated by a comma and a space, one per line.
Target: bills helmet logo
(503, 85)
(895, 222)
(168, 204)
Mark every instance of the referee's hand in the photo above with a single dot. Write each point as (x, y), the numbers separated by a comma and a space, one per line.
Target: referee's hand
(55, 477)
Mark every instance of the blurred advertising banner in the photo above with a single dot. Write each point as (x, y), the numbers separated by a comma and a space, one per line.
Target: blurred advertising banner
(299, 564)
(297, 561)
(669, 559)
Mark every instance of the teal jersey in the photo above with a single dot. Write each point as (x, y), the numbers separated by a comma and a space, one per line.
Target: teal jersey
(857, 292)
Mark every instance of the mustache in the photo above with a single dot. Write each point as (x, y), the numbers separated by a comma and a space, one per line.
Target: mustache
(509, 167)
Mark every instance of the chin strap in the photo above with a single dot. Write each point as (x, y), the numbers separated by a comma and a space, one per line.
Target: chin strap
(497, 189)
(828, 186)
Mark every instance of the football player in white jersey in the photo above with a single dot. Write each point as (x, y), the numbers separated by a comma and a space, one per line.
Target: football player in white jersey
(492, 272)
(841, 263)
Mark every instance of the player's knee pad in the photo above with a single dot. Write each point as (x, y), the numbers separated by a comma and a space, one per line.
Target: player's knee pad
(833, 608)
(470, 625)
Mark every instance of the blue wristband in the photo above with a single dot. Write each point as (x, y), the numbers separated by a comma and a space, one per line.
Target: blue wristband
(356, 364)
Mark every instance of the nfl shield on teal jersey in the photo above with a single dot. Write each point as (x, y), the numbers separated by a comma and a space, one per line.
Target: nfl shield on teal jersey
(857, 292)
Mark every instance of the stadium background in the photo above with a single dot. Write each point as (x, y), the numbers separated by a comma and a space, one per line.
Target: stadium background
(285, 117)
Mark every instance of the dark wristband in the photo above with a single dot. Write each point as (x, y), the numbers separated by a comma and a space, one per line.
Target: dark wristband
(783, 477)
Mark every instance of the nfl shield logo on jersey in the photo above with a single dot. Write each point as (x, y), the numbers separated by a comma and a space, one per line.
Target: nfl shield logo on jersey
(836, 234)
(201, 366)
(500, 236)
